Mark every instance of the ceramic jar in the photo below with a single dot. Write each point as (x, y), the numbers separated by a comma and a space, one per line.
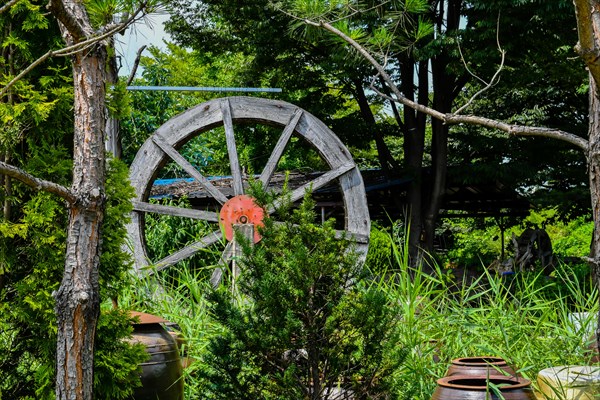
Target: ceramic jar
(473, 387)
(581, 382)
(481, 366)
(161, 374)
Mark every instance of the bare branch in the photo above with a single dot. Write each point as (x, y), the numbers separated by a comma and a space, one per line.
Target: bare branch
(494, 79)
(37, 183)
(135, 64)
(7, 6)
(73, 49)
(454, 119)
(462, 58)
(111, 30)
(518, 130)
(380, 69)
(21, 74)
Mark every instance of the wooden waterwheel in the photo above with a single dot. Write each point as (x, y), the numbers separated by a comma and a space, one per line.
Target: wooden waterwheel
(225, 115)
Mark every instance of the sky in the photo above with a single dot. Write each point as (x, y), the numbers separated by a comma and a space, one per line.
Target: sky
(149, 32)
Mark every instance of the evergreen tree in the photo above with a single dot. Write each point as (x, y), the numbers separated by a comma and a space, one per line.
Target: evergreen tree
(36, 135)
(304, 324)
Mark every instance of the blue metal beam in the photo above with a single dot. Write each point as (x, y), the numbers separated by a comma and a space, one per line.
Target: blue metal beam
(203, 89)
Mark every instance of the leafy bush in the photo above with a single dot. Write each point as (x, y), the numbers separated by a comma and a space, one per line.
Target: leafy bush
(477, 243)
(33, 266)
(474, 244)
(304, 320)
(573, 238)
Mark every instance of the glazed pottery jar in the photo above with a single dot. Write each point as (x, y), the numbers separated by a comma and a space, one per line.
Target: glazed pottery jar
(161, 374)
(482, 366)
(465, 387)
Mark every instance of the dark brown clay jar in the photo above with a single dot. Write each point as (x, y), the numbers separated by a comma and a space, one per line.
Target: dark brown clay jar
(461, 387)
(483, 366)
(161, 374)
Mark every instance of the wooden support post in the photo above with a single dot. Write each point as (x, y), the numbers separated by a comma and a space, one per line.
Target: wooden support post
(247, 231)
(232, 254)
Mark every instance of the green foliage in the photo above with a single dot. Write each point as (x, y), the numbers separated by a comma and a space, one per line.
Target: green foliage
(477, 243)
(303, 319)
(115, 262)
(118, 100)
(572, 238)
(379, 256)
(528, 321)
(167, 234)
(33, 270)
(474, 245)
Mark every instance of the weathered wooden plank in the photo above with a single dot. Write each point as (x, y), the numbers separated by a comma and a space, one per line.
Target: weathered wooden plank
(269, 169)
(189, 168)
(136, 243)
(315, 184)
(234, 163)
(181, 128)
(355, 237)
(175, 211)
(355, 203)
(188, 250)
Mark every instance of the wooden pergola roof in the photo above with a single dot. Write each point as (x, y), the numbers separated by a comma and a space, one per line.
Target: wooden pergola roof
(386, 197)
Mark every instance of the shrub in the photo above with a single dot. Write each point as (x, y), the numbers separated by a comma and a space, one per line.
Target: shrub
(304, 322)
(32, 270)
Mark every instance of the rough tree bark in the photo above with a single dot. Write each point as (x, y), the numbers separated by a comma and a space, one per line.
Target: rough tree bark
(588, 47)
(593, 158)
(77, 299)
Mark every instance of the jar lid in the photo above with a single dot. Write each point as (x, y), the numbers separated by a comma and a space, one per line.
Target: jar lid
(145, 318)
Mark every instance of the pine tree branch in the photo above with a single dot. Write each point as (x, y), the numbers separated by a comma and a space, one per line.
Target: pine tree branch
(70, 18)
(21, 74)
(75, 48)
(7, 6)
(37, 183)
(451, 118)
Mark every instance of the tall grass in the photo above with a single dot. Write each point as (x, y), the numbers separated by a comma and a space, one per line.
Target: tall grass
(527, 319)
(180, 299)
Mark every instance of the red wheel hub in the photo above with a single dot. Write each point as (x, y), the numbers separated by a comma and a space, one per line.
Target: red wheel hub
(241, 210)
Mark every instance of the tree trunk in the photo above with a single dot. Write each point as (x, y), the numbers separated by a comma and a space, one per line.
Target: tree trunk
(594, 175)
(77, 299)
(414, 146)
(386, 160)
(444, 88)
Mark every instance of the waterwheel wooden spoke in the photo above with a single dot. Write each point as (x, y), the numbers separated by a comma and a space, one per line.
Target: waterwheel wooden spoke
(234, 162)
(285, 137)
(165, 146)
